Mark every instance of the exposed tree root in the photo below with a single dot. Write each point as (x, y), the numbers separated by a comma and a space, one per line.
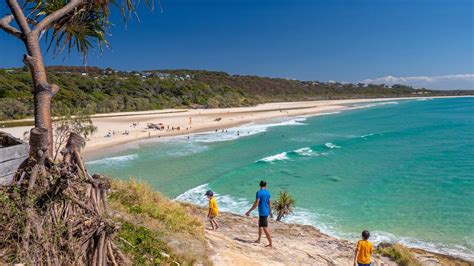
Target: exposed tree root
(56, 213)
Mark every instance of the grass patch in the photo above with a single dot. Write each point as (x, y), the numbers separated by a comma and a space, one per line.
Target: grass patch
(400, 254)
(139, 198)
(153, 225)
(144, 245)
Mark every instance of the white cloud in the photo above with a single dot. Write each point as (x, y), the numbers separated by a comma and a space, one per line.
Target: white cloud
(448, 82)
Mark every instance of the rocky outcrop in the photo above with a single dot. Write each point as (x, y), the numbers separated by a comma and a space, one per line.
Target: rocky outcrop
(233, 244)
(293, 245)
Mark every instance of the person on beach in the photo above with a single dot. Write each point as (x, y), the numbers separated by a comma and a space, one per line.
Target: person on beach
(264, 210)
(363, 250)
(213, 210)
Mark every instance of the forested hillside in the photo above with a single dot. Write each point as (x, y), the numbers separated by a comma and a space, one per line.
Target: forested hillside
(105, 90)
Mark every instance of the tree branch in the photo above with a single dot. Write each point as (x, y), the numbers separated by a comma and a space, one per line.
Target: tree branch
(5, 25)
(43, 24)
(19, 16)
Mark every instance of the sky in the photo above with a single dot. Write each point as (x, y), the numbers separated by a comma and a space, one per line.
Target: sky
(424, 43)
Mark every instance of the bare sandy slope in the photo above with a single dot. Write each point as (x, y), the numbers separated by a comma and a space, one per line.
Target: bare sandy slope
(293, 244)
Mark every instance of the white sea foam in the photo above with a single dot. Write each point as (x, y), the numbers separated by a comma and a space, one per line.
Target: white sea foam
(330, 145)
(367, 135)
(307, 151)
(361, 106)
(245, 130)
(226, 203)
(114, 160)
(327, 113)
(277, 157)
(195, 195)
(183, 149)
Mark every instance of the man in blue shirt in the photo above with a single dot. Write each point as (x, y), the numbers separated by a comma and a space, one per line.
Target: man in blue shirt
(264, 210)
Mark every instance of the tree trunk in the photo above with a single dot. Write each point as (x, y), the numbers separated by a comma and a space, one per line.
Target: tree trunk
(43, 91)
(279, 217)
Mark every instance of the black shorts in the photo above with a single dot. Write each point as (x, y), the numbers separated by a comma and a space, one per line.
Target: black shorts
(262, 221)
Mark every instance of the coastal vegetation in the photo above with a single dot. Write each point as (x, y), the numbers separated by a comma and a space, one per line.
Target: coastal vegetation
(97, 90)
(283, 205)
(152, 229)
(57, 213)
(398, 253)
(79, 123)
(155, 230)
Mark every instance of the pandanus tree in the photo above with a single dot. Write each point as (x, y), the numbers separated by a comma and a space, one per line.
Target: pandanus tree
(283, 205)
(61, 25)
(55, 213)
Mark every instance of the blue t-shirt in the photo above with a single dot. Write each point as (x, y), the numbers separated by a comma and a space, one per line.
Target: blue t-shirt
(264, 203)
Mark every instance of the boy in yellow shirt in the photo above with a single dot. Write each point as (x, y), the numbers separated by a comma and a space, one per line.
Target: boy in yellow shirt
(363, 251)
(213, 210)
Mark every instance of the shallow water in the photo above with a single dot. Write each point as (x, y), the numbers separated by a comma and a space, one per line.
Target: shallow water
(402, 169)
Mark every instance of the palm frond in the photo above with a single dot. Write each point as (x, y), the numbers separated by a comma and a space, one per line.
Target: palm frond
(84, 28)
(284, 205)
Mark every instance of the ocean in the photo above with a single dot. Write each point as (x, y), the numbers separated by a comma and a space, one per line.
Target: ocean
(403, 170)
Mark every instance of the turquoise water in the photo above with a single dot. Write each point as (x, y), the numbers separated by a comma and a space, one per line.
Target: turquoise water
(402, 169)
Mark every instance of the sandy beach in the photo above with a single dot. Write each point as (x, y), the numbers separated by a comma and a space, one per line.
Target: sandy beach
(114, 129)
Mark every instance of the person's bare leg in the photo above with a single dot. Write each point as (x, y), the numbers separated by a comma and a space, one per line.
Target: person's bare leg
(215, 223)
(260, 231)
(267, 234)
(212, 224)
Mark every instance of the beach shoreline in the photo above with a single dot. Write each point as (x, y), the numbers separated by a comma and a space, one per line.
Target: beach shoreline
(116, 129)
(203, 120)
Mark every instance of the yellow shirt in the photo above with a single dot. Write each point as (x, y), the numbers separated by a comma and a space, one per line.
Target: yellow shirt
(365, 250)
(213, 209)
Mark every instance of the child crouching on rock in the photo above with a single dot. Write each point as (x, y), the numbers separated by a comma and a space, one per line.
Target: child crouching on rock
(364, 250)
(213, 210)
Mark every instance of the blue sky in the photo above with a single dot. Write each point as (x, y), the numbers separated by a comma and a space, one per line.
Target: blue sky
(420, 42)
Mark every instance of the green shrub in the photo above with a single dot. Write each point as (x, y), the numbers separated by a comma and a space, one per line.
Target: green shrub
(283, 205)
(144, 245)
(400, 254)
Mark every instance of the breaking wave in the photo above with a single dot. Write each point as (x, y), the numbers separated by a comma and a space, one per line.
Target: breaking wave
(113, 160)
(361, 106)
(330, 145)
(226, 203)
(246, 130)
(277, 157)
(306, 152)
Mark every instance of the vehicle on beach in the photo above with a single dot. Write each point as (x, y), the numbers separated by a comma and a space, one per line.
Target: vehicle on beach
(159, 126)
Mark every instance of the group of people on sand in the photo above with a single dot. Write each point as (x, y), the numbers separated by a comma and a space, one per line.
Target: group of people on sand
(112, 133)
(363, 250)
